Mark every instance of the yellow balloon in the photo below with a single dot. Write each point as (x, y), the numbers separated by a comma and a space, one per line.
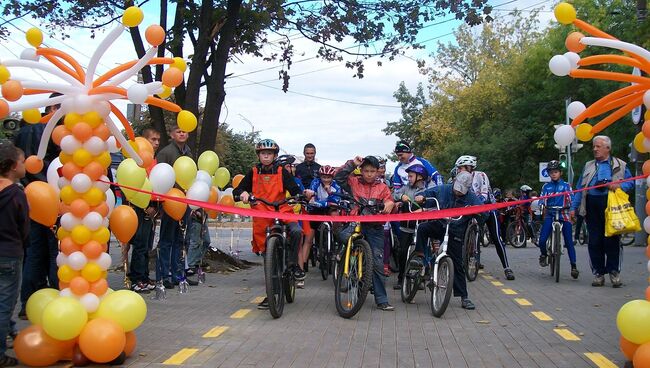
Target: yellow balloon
(133, 145)
(565, 13)
(130, 174)
(80, 234)
(221, 177)
(65, 158)
(186, 121)
(32, 116)
(91, 272)
(4, 74)
(209, 161)
(179, 63)
(125, 307)
(104, 159)
(185, 170)
(132, 16)
(81, 157)
(37, 302)
(62, 233)
(64, 318)
(68, 194)
(102, 235)
(94, 196)
(638, 143)
(633, 321)
(583, 132)
(70, 120)
(93, 119)
(34, 36)
(166, 92)
(142, 199)
(66, 273)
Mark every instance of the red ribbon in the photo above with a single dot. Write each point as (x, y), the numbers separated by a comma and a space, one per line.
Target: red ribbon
(425, 215)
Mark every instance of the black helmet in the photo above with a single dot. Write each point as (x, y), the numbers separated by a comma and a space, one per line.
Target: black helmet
(553, 165)
(267, 145)
(285, 160)
(370, 160)
(418, 169)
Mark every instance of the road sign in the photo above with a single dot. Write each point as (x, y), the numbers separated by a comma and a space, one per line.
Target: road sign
(543, 174)
(636, 113)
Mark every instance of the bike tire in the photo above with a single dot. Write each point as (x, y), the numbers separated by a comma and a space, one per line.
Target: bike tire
(558, 253)
(442, 289)
(356, 289)
(516, 234)
(537, 228)
(323, 255)
(583, 235)
(470, 252)
(289, 287)
(273, 276)
(411, 281)
(486, 236)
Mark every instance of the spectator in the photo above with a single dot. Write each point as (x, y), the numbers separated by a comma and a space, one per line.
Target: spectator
(307, 170)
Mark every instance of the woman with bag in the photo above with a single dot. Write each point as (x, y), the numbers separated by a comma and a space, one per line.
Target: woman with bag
(604, 251)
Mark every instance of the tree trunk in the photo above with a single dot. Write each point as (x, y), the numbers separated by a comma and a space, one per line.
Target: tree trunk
(215, 85)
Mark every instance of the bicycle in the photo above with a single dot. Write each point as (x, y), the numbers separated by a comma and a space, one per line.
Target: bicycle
(519, 231)
(554, 250)
(279, 280)
(472, 249)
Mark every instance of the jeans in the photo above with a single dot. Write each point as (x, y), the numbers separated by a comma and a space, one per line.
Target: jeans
(169, 249)
(199, 240)
(547, 227)
(604, 251)
(139, 270)
(374, 235)
(10, 272)
(39, 268)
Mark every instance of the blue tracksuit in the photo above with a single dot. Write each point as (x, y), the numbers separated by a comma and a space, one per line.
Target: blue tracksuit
(554, 187)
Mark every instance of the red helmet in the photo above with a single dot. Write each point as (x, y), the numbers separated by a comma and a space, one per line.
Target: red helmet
(326, 170)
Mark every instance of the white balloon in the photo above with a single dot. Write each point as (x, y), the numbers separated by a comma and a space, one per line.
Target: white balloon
(110, 201)
(93, 221)
(162, 178)
(137, 93)
(106, 222)
(53, 175)
(61, 259)
(646, 225)
(104, 261)
(103, 108)
(646, 99)
(69, 144)
(648, 266)
(564, 135)
(29, 54)
(65, 292)
(199, 191)
(112, 145)
(62, 182)
(575, 108)
(69, 221)
(95, 145)
(83, 103)
(573, 59)
(90, 301)
(559, 65)
(102, 186)
(647, 180)
(228, 192)
(77, 260)
(203, 176)
(81, 183)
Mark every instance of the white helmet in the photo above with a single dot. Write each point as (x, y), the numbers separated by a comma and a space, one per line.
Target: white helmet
(525, 188)
(466, 160)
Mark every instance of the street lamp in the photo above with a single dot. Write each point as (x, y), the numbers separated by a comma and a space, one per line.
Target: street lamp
(249, 123)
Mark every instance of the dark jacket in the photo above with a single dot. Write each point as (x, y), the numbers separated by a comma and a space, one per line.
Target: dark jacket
(447, 199)
(307, 171)
(28, 139)
(14, 221)
(246, 184)
(172, 152)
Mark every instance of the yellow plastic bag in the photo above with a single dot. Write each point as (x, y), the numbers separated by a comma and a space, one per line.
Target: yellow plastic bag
(619, 215)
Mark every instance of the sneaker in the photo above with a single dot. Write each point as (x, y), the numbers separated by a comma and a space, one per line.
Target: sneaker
(509, 274)
(615, 278)
(599, 280)
(168, 284)
(543, 260)
(264, 305)
(151, 285)
(574, 272)
(385, 307)
(481, 266)
(465, 303)
(191, 282)
(140, 287)
(300, 284)
(398, 285)
(299, 274)
(190, 271)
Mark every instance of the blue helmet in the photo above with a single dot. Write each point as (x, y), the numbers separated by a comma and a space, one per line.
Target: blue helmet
(418, 169)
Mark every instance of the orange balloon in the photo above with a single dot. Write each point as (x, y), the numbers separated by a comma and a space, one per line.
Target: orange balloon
(102, 340)
(68, 246)
(143, 145)
(647, 293)
(79, 286)
(70, 169)
(93, 249)
(63, 285)
(647, 251)
(572, 42)
(236, 180)
(123, 223)
(4, 109)
(175, 210)
(214, 195)
(212, 214)
(102, 132)
(99, 287)
(82, 131)
(58, 133)
(131, 341)
(12, 90)
(102, 209)
(172, 77)
(43, 203)
(33, 164)
(147, 158)
(155, 35)
(94, 170)
(628, 348)
(79, 208)
(227, 201)
(646, 167)
(642, 356)
(63, 208)
(35, 348)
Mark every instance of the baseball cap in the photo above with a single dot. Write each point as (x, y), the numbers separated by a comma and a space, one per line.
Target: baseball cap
(463, 182)
(370, 160)
(402, 146)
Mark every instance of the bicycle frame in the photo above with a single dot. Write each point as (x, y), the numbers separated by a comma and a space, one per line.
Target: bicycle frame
(346, 265)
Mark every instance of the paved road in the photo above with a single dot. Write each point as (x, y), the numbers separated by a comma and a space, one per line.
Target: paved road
(529, 322)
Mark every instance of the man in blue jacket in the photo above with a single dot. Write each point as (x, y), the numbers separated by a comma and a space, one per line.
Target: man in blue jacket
(407, 158)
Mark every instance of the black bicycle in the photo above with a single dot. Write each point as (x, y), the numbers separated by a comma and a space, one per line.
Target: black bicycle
(472, 249)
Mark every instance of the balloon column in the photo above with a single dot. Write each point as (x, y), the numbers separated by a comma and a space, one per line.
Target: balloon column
(85, 320)
(633, 318)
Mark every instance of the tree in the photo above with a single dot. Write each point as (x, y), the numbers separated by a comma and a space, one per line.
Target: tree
(218, 30)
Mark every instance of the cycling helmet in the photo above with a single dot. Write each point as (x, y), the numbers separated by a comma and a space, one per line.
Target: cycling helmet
(553, 165)
(326, 170)
(402, 146)
(267, 145)
(418, 169)
(370, 160)
(285, 160)
(466, 160)
(382, 161)
(525, 188)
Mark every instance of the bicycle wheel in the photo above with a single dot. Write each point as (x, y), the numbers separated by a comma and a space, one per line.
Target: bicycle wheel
(470, 252)
(351, 290)
(485, 235)
(441, 290)
(583, 235)
(273, 277)
(537, 228)
(323, 254)
(516, 234)
(558, 252)
(289, 287)
(411, 281)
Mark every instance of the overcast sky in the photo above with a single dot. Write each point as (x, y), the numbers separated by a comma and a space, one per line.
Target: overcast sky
(340, 130)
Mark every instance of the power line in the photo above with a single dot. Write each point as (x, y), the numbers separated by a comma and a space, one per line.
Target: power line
(292, 76)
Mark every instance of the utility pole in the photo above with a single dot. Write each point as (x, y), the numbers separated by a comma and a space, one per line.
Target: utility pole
(636, 157)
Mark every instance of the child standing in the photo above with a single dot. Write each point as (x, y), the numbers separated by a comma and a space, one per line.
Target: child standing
(14, 230)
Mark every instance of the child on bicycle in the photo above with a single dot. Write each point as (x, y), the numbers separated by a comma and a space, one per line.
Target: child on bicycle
(270, 181)
(454, 195)
(557, 185)
(366, 188)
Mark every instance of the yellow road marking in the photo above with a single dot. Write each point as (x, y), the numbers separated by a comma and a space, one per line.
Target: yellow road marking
(488, 277)
(509, 292)
(566, 334)
(600, 360)
(497, 283)
(240, 313)
(480, 271)
(180, 357)
(215, 332)
(542, 316)
(257, 300)
(523, 302)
